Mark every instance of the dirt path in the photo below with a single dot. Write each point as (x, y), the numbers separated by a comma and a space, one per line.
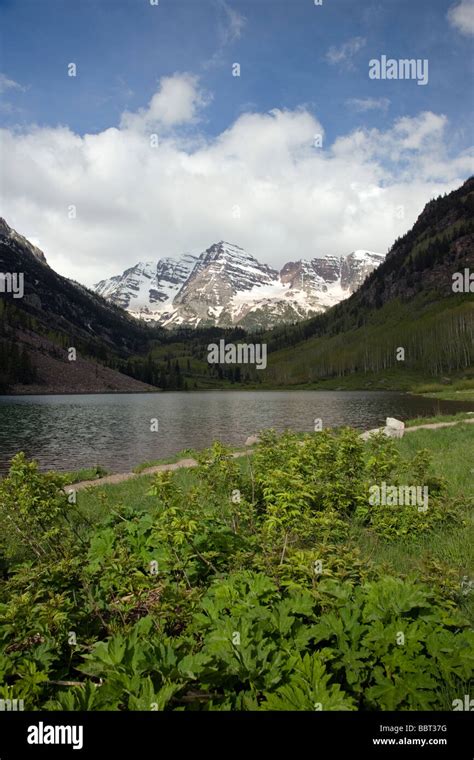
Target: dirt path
(122, 476)
(435, 425)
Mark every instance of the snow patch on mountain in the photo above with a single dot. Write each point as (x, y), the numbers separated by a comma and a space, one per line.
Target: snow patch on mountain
(227, 286)
(147, 289)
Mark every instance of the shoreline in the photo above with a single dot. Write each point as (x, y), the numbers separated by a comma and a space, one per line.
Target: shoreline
(279, 389)
(190, 462)
(428, 390)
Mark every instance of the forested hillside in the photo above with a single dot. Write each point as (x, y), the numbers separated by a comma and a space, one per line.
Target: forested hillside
(53, 315)
(408, 302)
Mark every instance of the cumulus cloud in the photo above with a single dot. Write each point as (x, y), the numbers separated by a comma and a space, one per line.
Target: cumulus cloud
(344, 54)
(461, 16)
(136, 202)
(368, 104)
(177, 102)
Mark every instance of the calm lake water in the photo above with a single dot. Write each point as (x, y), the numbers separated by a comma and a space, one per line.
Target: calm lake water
(70, 432)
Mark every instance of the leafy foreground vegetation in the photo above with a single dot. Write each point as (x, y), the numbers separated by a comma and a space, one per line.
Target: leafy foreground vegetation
(268, 583)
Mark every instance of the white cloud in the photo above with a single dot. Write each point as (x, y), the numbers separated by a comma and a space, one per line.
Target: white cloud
(368, 104)
(9, 84)
(176, 102)
(135, 202)
(344, 53)
(461, 16)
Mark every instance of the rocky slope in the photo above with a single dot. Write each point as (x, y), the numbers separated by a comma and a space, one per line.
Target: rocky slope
(148, 284)
(227, 286)
(53, 314)
(19, 244)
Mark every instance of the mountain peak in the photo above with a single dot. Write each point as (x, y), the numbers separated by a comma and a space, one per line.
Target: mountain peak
(148, 285)
(226, 285)
(5, 229)
(19, 243)
(226, 244)
(223, 249)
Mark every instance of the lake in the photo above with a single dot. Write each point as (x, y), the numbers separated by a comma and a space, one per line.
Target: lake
(70, 432)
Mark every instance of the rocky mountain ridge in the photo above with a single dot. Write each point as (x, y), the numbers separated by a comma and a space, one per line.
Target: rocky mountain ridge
(227, 286)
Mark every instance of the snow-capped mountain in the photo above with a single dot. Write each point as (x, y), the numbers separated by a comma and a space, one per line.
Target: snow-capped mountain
(227, 286)
(149, 284)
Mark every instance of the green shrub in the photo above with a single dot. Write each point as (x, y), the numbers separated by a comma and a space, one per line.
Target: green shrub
(239, 588)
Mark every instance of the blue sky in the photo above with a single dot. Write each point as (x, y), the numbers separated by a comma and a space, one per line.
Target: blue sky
(294, 57)
(122, 47)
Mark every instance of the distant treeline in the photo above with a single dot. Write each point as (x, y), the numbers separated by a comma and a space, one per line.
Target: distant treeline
(440, 341)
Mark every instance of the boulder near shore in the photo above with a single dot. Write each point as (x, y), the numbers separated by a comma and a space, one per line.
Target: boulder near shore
(393, 429)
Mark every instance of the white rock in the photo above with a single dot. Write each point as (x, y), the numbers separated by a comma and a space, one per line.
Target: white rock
(368, 433)
(252, 440)
(391, 422)
(394, 428)
(391, 432)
